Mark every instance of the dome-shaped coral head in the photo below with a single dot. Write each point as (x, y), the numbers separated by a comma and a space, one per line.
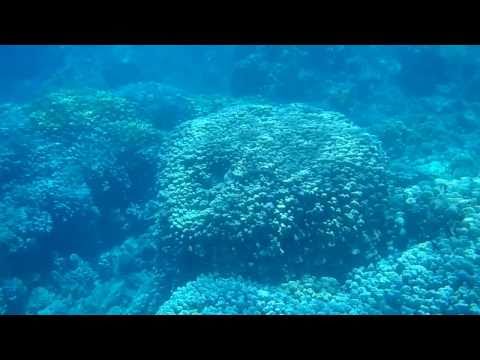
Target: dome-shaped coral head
(261, 189)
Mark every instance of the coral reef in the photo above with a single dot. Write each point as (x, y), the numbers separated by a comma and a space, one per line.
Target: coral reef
(429, 278)
(167, 106)
(239, 180)
(255, 187)
(127, 279)
(80, 160)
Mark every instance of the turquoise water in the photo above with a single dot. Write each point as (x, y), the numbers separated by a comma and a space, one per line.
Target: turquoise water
(239, 179)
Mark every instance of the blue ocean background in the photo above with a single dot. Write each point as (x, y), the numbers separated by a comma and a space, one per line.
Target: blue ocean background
(242, 179)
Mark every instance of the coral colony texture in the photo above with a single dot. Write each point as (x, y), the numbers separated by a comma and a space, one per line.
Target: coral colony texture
(254, 180)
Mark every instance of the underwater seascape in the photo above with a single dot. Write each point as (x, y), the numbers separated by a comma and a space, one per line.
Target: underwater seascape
(240, 179)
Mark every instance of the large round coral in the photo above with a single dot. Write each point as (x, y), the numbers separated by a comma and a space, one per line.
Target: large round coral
(261, 188)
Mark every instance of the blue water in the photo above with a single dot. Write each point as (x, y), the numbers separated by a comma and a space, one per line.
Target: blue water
(239, 179)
